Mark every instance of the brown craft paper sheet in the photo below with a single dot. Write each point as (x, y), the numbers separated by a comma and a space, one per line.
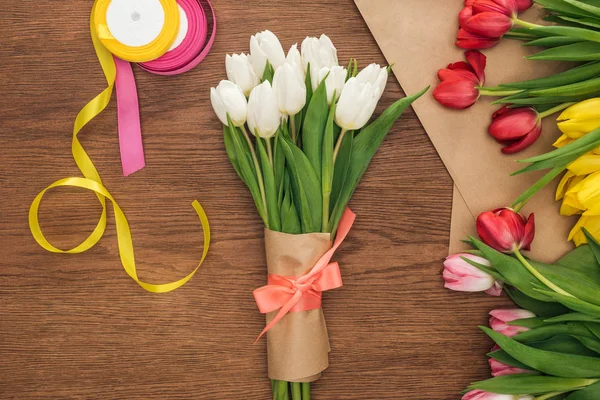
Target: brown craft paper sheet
(417, 37)
(298, 345)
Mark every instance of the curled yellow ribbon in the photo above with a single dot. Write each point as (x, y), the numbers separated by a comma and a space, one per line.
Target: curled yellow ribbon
(148, 52)
(93, 182)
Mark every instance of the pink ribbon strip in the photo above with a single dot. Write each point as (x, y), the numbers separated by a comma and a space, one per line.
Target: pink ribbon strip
(192, 50)
(292, 294)
(128, 115)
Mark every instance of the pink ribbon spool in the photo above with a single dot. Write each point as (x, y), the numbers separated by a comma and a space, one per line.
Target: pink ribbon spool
(192, 50)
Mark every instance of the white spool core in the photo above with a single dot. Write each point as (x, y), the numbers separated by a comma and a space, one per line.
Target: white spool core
(183, 29)
(135, 23)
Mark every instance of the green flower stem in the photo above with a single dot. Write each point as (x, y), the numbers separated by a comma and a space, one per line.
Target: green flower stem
(325, 219)
(261, 183)
(525, 24)
(556, 109)
(296, 391)
(306, 391)
(548, 396)
(269, 150)
(541, 277)
(493, 92)
(274, 389)
(522, 200)
(282, 390)
(293, 127)
(338, 145)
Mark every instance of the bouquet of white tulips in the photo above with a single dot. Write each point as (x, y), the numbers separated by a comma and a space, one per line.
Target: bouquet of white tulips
(306, 146)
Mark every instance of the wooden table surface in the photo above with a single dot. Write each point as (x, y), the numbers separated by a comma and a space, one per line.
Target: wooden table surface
(76, 327)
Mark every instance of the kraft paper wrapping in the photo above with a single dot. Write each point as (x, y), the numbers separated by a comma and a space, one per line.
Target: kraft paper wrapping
(417, 37)
(298, 345)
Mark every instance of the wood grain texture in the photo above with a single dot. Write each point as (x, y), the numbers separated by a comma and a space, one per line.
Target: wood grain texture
(76, 327)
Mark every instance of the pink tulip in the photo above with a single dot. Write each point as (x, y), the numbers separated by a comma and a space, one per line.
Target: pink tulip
(481, 395)
(461, 276)
(500, 318)
(501, 369)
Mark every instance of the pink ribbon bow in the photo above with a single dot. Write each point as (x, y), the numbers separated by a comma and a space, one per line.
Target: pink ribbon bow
(303, 293)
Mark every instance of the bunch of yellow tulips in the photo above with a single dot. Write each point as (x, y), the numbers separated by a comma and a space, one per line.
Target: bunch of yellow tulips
(579, 188)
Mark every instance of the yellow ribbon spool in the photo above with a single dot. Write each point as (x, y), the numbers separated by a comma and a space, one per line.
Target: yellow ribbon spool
(148, 52)
(93, 182)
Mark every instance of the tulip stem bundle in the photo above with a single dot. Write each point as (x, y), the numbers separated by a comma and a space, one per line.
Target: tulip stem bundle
(541, 277)
(313, 140)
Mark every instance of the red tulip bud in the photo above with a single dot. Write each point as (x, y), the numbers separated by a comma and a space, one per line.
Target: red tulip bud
(471, 41)
(505, 230)
(460, 81)
(489, 24)
(516, 128)
(523, 5)
(506, 7)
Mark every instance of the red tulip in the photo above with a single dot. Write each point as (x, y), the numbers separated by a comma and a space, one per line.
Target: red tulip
(505, 230)
(460, 81)
(506, 7)
(470, 41)
(523, 5)
(489, 24)
(517, 128)
(464, 15)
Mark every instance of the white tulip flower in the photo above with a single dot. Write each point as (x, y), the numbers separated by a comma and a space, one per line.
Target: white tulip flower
(357, 104)
(290, 89)
(319, 53)
(375, 75)
(295, 59)
(241, 72)
(264, 46)
(228, 98)
(263, 115)
(334, 83)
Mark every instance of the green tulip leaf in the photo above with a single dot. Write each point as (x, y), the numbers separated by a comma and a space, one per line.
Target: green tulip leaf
(592, 344)
(313, 128)
(564, 344)
(589, 393)
(593, 244)
(513, 272)
(549, 331)
(569, 31)
(239, 152)
(582, 51)
(289, 215)
(539, 308)
(269, 73)
(545, 100)
(305, 186)
(530, 384)
(585, 6)
(573, 75)
(573, 303)
(562, 7)
(591, 139)
(552, 41)
(582, 22)
(505, 358)
(364, 147)
(572, 316)
(583, 260)
(570, 280)
(573, 89)
(548, 362)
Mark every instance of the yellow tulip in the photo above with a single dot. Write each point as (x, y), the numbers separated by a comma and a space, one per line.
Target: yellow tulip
(576, 128)
(588, 109)
(591, 224)
(585, 165)
(588, 193)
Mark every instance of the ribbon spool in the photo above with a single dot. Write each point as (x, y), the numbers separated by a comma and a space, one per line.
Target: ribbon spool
(122, 31)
